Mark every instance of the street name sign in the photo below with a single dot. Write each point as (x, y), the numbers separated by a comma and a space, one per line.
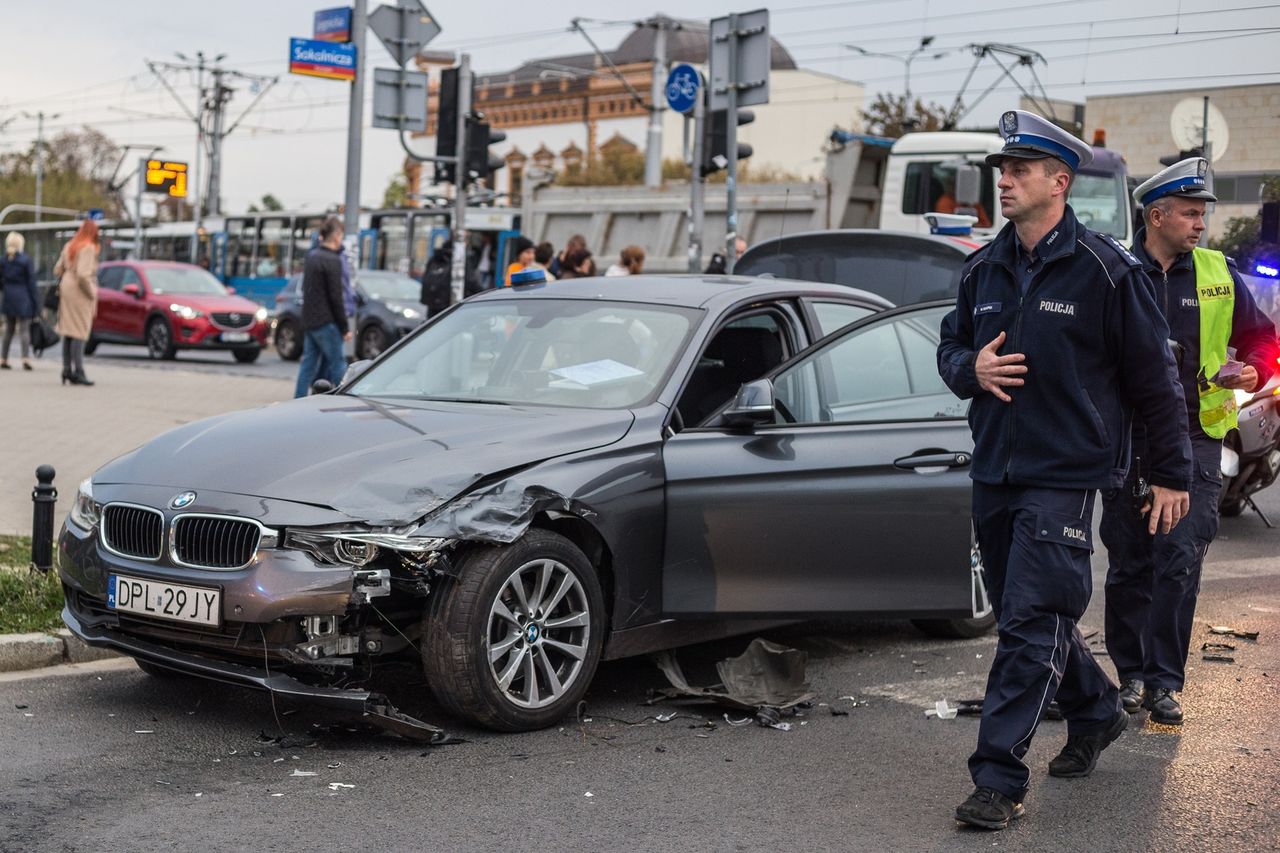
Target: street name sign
(314, 58)
(332, 25)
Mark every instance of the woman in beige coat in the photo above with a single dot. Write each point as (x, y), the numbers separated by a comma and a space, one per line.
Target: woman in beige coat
(77, 267)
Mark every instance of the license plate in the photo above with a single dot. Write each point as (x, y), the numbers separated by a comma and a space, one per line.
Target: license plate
(162, 600)
(235, 337)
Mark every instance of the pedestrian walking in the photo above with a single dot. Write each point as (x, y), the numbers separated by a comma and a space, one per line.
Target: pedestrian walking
(543, 254)
(1057, 339)
(324, 314)
(578, 264)
(1152, 581)
(77, 272)
(21, 299)
(630, 262)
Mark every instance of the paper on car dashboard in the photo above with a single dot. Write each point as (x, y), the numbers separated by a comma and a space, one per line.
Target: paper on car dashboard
(592, 373)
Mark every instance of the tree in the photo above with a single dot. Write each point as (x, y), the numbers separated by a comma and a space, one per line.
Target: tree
(890, 115)
(268, 202)
(78, 168)
(611, 168)
(397, 192)
(1240, 236)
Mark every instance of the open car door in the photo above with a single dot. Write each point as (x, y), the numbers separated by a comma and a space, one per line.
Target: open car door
(853, 498)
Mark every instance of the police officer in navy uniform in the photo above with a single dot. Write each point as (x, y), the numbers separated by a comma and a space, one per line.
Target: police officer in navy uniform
(1057, 339)
(1152, 581)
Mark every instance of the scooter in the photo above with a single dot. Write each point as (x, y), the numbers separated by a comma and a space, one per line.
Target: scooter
(1250, 455)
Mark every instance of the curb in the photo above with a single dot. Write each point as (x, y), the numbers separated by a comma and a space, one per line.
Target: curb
(37, 651)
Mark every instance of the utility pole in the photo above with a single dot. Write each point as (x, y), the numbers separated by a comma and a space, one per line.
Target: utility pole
(40, 117)
(653, 143)
(217, 101)
(698, 185)
(355, 124)
(458, 274)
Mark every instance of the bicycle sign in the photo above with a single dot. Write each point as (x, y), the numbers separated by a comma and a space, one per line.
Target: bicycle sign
(682, 87)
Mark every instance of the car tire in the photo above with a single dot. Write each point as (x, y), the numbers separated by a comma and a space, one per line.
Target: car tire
(965, 627)
(288, 340)
(246, 355)
(91, 345)
(155, 671)
(372, 341)
(488, 662)
(160, 339)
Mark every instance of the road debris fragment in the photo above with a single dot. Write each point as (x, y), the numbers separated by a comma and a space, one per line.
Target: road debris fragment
(1228, 631)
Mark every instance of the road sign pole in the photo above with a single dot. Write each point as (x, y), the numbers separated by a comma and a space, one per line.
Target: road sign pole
(137, 220)
(355, 124)
(731, 151)
(697, 186)
(459, 274)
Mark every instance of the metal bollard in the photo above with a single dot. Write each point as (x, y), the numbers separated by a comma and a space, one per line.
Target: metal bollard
(43, 498)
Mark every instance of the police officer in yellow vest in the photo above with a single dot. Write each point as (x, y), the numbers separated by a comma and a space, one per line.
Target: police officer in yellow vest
(1152, 581)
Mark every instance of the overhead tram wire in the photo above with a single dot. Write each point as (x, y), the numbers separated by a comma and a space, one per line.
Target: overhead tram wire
(1037, 42)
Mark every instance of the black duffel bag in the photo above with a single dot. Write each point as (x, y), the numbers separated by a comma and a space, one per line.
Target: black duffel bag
(42, 335)
(52, 297)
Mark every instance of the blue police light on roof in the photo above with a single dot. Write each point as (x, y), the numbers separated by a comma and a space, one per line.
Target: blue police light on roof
(533, 276)
(1271, 270)
(953, 224)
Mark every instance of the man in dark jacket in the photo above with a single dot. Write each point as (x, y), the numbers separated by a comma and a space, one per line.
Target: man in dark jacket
(1152, 582)
(324, 315)
(1083, 345)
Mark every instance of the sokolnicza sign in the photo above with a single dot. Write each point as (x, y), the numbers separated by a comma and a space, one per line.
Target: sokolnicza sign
(314, 58)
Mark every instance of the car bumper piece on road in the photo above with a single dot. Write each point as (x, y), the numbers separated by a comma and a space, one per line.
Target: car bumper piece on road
(373, 708)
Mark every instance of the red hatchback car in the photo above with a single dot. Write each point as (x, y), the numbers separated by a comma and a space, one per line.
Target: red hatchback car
(168, 306)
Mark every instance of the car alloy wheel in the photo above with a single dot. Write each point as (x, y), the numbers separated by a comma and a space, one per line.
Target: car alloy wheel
(159, 339)
(512, 644)
(288, 342)
(373, 340)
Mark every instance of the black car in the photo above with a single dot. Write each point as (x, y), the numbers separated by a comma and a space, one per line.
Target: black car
(539, 478)
(387, 308)
(902, 267)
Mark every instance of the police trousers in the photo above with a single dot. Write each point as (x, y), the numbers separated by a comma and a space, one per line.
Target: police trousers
(1153, 581)
(1035, 546)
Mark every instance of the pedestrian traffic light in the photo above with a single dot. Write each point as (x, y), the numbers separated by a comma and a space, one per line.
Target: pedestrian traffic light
(1170, 159)
(715, 140)
(481, 162)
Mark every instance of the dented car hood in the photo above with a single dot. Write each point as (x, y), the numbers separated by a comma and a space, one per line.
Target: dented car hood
(385, 462)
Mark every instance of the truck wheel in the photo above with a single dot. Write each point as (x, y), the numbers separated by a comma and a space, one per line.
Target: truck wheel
(513, 643)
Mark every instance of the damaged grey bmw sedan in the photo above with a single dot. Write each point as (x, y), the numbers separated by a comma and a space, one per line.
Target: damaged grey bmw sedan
(541, 478)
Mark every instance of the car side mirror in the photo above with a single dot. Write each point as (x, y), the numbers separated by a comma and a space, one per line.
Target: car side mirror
(752, 405)
(132, 290)
(356, 368)
(968, 185)
(321, 386)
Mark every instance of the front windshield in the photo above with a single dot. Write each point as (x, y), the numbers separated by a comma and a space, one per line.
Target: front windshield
(183, 280)
(390, 286)
(556, 352)
(1099, 202)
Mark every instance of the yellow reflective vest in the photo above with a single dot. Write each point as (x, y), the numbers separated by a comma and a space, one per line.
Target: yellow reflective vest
(1215, 292)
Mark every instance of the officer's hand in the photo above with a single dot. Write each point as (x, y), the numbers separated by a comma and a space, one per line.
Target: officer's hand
(346, 336)
(996, 370)
(1167, 508)
(1246, 381)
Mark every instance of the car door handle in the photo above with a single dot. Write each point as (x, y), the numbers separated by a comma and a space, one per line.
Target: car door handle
(933, 461)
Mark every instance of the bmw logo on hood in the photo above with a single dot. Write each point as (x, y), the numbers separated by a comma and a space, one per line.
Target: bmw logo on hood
(182, 500)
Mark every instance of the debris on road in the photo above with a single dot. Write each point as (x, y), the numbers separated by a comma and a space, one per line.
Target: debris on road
(1233, 632)
(1217, 647)
(1218, 658)
(303, 773)
(941, 710)
(765, 675)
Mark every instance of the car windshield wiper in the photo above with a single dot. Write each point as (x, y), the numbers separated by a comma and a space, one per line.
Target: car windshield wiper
(465, 400)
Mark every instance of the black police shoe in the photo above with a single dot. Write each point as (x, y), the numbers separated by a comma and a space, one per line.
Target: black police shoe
(989, 809)
(1081, 752)
(1131, 695)
(1163, 707)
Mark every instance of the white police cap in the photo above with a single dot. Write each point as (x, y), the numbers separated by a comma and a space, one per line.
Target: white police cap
(1184, 178)
(1030, 137)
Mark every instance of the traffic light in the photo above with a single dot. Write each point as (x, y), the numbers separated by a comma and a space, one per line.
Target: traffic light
(1170, 159)
(481, 162)
(715, 140)
(447, 124)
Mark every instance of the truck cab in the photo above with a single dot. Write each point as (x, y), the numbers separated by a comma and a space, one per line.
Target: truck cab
(945, 172)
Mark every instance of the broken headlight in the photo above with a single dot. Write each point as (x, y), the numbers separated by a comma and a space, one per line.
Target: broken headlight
(358, 547)
(85, 511)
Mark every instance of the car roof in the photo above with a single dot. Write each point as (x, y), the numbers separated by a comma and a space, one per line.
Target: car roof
(963, 245)
(687, 291)
(150, 264)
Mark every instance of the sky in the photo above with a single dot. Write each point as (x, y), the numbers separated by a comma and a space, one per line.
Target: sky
(84, 63)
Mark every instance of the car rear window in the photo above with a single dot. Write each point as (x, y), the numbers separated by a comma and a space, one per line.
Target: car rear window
(903, 270)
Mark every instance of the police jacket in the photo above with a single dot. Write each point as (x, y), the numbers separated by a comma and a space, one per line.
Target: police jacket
(322, 292)
(1252, 333)
(1095, 347)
